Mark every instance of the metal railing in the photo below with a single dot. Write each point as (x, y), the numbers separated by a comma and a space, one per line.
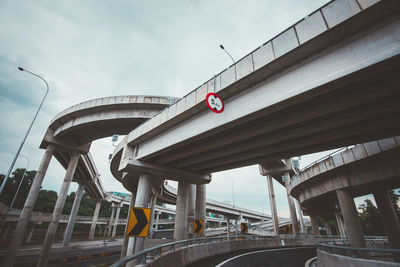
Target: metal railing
(150, 253)
(371, 252)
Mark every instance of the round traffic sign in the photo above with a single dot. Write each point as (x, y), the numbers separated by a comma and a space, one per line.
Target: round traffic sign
(215, 103)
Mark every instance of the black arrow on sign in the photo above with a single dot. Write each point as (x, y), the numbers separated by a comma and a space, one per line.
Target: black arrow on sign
(244, 228)
(141, 222)
(198, 226)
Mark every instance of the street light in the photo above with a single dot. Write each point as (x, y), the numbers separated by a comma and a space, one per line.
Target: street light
(26, 135)
(20, 182)
(223, 48)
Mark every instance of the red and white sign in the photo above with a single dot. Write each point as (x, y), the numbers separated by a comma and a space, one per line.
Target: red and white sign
(215, 103)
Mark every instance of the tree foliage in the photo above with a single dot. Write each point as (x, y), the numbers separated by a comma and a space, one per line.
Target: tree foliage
(10, 189)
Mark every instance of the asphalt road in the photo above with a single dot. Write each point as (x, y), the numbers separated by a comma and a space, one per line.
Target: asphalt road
(280, 257)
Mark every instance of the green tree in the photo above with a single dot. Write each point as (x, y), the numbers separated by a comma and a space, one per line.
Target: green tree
(46, 201)
(12, 184)
(370, 220)
(395, 198)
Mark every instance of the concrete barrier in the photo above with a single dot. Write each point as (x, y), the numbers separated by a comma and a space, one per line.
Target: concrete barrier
(332, 260)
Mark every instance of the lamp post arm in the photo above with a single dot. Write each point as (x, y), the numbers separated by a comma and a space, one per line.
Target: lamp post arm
(26, 135)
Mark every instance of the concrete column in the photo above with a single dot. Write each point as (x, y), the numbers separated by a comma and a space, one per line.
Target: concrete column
(314, 224)
(201, 204)
(191, 209)
(157, 220)
(292, 208)
(236, 228)
(23, 221)
(74, 213)
(6, 231)
(273, 205)
(302, 228)
(114, 231)
(111, 219)
(94, 221)
(52, 229)
(153, 201)
(389, 218)
(142, 201)
(228, 233)
(126, 238)
(327, 226)
(340, 224)
(350, 217)
(29, 237)
(182, 203)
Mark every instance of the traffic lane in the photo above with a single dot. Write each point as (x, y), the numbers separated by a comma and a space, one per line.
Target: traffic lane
(295, 257)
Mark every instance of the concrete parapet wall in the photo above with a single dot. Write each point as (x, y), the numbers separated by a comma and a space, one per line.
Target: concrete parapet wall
(185, 256)
(332, 260)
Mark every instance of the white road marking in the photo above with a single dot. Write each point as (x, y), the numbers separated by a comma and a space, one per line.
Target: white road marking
(253, 252)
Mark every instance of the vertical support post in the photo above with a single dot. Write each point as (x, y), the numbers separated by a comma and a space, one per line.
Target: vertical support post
(52, 229)
(228, 233)
(350, 216)
(273, 204)
(72, 216)
(182, 202)
(153, 201)
(388, 217)
(340, 224)
(314, 224)
(302, 228)
(292, 209)
(23, 221)
(94, 221)
(29, 237)
(142, 201)
(191, 209)
(114, 232)
(201, 204)
(126, 238)
(327, 226)
(157, 220)
(6, 231)
(111, 219)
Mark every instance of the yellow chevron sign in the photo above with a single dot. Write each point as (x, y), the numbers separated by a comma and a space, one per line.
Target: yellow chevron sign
(244, 227)
(138, 225)
(198, 226)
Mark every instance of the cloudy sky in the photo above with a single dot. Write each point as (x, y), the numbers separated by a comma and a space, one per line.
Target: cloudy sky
(91, 49)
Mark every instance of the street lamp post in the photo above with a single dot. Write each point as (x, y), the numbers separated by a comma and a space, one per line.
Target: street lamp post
(26, 135)
(20, 182)
(223, 48)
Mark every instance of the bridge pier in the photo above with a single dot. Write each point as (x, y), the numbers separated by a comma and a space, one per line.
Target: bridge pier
(191, 209)
(23, 221)
(31, 231)
(182, 203)
(151, 222)
(114, 231)
(301, 219)
(388, 217)
(327, 226)
(272, 202)
(340, 224)
(350, 216)
(111, 219)
(94, 221)
(72, 216)
(126, 238)
(52, 229)
(201, 204)
(292, 208)
(314, 224)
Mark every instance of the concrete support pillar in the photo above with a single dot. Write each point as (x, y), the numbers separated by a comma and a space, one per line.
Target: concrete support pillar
(126, 238)
(236, 228)
(350, 216)
(72, 216)
(29, 237)
(101, 230)
(142, 201)
(94, 221)
(273, 205)
(114, 232)
(157, 220)
(327, 226)
(23, 221)
(389, 218)
(292, 208)
(314, 224)
(182, 203)
(228, 233)
(52, 229)
(191, 210)
(153, 201)
(111, 220)
(201, 204)
(6, 231)
(302, 228)
(340, 224)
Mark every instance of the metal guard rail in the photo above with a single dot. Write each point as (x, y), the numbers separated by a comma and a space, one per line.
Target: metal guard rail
(354, 252)
(157, 250)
